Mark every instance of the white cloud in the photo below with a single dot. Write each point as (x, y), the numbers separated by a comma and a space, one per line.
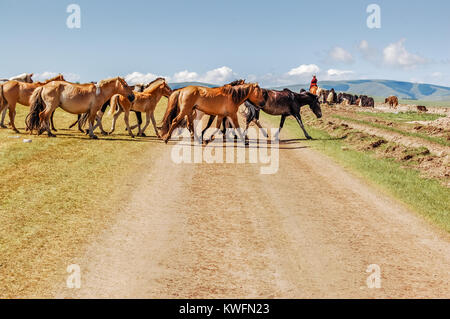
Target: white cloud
(304, 69)
(395, 54)
(339, 54)
(369, 53)
(338, 73)
(71, 77)
(185, 76)
(137, 78)
(219, 75)
(363, 45)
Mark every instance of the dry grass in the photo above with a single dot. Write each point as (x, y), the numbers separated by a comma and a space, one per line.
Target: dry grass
(55, 193)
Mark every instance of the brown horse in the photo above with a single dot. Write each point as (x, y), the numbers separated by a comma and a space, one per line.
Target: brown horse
(145, 102)
(392, 101)
(84, 99)
(13, 92)
(222, 102)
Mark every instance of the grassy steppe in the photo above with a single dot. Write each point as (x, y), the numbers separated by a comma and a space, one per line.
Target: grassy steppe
(425, 196)
(55, 192)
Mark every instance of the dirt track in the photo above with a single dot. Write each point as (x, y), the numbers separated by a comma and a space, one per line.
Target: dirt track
(225, 231)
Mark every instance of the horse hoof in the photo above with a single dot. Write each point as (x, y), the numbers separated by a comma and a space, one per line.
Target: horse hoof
(54, 130)
(105, 133)
(309, 138)
(3, 126)
(94, 137)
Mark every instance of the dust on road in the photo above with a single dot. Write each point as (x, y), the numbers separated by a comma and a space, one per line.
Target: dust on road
(225, 231)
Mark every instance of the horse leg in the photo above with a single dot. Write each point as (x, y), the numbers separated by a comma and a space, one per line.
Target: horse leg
(147, 123)
(139, 121)
(76, 122)
(44, 117)
(127, 123)
(91, 119)
(235, 123)
(53, 124)
(12, 115)
(264, 133)
(99, 124)
(184, 110)
(283, 118)
(116, 116)
(210, 122)
(152, 117)
(299, 120)
(2, 123)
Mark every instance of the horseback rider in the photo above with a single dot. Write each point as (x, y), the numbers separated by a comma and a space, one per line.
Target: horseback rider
(313, 87)
(313, 82)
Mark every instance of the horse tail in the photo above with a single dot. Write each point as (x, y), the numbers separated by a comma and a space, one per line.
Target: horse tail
(84, 118)
(252, 112)
(37, 105)
(171, 112)
(105, 106)
(115, 104)
(2, 97)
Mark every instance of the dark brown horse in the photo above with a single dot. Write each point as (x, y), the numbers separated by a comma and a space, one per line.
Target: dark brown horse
(284, 103)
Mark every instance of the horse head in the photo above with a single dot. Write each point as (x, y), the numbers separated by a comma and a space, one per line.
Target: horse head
(313, 101)
(256, 95)
(124, 89)
(166, 90)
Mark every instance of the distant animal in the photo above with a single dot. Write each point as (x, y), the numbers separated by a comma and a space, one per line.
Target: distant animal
(365, 101)
(332, 97)
(351, 99)
(392, 101)
(421, 108)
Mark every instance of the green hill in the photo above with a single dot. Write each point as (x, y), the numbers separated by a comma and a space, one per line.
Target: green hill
(384, 88)
(375, 88)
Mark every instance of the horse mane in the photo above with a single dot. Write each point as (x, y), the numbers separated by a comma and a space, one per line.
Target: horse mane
(236, 82)
(238, 92)
(153, 84)
(59, 77)
(105, 81)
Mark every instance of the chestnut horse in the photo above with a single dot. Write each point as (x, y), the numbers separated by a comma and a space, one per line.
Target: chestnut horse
(13, 92)
(84, 99)
(145, 102)
(222, 102)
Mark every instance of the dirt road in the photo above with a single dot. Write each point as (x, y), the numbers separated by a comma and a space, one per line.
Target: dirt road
(225, 231)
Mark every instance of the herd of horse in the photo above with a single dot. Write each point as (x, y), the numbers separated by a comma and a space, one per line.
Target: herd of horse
(186, 106)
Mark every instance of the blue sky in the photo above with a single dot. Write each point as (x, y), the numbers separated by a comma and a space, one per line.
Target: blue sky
(274, 43)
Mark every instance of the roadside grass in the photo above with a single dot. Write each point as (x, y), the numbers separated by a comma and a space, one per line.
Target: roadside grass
(425, 196)
(433, 139)
(404, 116)
(55, 193)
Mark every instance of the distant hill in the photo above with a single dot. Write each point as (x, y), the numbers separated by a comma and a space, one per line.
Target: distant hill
(175, 86)
(378, 88)
(384, 88)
